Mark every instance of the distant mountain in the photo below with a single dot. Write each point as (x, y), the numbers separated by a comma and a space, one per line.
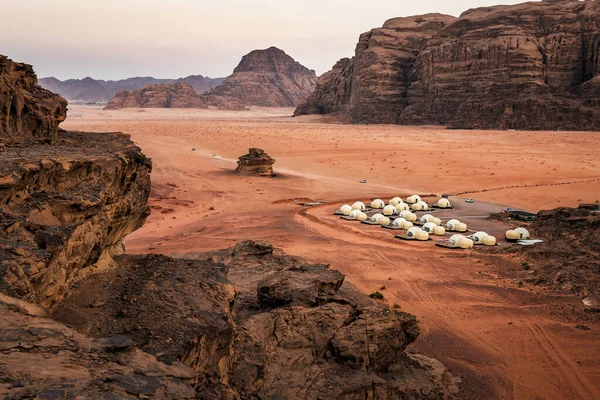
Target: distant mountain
(266, 78)
(171, 95)
(100, 91)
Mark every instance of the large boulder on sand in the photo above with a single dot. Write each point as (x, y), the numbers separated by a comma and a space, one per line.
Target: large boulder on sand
(256, 162)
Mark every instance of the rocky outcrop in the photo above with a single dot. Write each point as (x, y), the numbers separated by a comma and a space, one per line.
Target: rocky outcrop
(567, 259)
(100, 91)
(224, 103)
(256, 162)
(65, 208)
(43, 359)
(175, 95)
(255, 323)
(26, 110)
(267, 78)
(528, 66)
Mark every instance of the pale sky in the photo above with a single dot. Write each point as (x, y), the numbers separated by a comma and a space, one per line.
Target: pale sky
(115, 39)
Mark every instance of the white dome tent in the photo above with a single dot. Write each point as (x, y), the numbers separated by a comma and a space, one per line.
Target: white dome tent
(417, 233)
(377, 203)
(389, 210)
(346, 209)
(484, 238)
(523, 232)
(354, 214)
(413, 199)
(426, 218)
(460, 241)
(489, 240)
(439, 231)
(359, 205)
(420, 206)
(402, 207)
(362, 216)
(451, 225)
(397, 223)
(517, 234)
(478, 237)
(395, 201)
(429, 227)
(443, 203)
(465, 243)
(375, 217)
(402, 223)
(384, 221)
(456, 225)
(409, 216)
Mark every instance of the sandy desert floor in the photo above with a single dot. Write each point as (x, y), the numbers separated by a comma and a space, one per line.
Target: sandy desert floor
(504, 341)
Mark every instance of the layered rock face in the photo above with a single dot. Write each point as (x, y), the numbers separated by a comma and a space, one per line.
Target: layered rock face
(268, 78)
(175, 95)
(65, 208)
(96, 90)
(26, 110)
(256, 162)
(255, 323)
(527, 66)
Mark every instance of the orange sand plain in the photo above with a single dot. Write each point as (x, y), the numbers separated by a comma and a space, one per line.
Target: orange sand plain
(503, 341)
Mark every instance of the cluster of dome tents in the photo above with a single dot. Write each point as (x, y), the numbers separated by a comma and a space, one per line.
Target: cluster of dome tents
(401, 215)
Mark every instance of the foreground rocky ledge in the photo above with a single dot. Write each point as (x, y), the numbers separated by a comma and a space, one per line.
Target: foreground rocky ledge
(255, 323)
(65, 209)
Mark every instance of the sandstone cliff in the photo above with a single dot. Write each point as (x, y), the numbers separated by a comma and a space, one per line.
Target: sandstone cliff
(528, 66)
(268, 78)
(65, 208)
(26, 110)
(175, 95)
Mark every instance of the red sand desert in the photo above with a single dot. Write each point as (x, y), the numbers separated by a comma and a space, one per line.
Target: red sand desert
(504, 341)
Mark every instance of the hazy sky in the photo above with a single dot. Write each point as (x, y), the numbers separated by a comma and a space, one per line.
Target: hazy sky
(114, 39)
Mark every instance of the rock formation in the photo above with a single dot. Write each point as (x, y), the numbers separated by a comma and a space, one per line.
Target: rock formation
(567, 259)
(245, 322)
(100, 91)
(255, 323)
(174, 95)
(43, 359)
(26, 110)
(256, 162)
(267, 78)
(65, 208)
(528, 66)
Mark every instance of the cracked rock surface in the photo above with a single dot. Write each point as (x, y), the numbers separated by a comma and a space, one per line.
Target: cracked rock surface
(256, 323)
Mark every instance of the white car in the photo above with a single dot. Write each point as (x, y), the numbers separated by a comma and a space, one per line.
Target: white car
(363, 181)
(470, 201)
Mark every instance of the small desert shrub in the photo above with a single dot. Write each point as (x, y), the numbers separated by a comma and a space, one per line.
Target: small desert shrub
(383, 288)
(376, 295)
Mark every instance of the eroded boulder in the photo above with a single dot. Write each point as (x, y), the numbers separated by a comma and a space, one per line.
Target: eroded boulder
(256, 162)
